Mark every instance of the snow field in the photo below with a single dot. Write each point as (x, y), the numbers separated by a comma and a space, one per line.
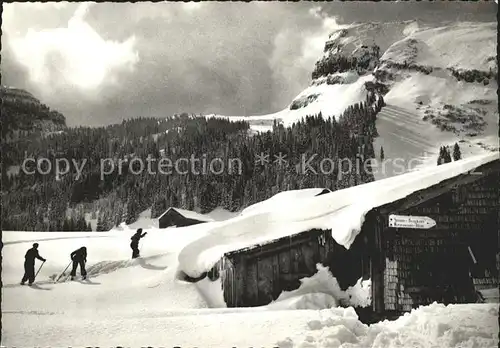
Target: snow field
(245, 329)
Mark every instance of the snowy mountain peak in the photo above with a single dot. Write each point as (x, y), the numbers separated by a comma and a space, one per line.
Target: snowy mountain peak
(349, 38)
(438, 84)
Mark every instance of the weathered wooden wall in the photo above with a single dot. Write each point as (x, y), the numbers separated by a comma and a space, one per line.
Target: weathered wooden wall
(423, 266)
(258, 275)
(408, 267)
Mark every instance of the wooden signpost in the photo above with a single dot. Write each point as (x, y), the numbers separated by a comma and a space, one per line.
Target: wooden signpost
(405, 221)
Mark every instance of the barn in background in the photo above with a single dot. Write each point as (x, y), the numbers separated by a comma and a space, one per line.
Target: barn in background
(408, 267)
(324, 191)
(180, 218)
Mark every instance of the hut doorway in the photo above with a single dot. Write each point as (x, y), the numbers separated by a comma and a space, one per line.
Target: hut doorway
(443, 272)
(431, 268)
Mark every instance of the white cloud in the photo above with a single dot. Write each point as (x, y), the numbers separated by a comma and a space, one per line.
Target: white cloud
(295, 53)
(314, 43)
(75, 54)
(81, 11)
(316, 11)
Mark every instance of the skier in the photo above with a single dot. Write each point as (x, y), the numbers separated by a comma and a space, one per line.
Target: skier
(135, 242)
(79, 257)
(29, 264)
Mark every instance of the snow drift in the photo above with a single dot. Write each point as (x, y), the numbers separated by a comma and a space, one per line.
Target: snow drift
(453, 326)
(341, 211)
(323, 287)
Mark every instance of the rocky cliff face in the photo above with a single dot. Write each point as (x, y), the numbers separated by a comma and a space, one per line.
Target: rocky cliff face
(436, 72)
(23, 115)
(430, 86)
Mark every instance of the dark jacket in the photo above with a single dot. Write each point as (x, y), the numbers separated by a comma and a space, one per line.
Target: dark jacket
(135, 238)
(31, 255)
(79, 255)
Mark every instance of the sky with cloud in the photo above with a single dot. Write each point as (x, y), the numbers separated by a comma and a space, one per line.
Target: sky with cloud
(100, 63)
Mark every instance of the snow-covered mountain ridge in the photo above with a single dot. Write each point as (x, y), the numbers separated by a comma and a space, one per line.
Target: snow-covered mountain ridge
(391, 53)
(438, 83)
(23, 114)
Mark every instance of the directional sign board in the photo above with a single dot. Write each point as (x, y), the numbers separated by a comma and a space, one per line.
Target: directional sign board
(405, 221)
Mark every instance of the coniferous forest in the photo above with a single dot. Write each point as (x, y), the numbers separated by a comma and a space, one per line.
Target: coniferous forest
(234, 181)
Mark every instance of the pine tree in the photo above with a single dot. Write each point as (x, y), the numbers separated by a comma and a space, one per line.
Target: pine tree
(225, 198)
(104, 220)
(132, 208)
(81, 224)
(100, 222)
(381, 103)
(208, 196)
(190, 204)
(447, 155)
(65, 226)
(40, 223)
(441, 156)
(125, 211)
(457, 155)
(158, 207)
(118, 218)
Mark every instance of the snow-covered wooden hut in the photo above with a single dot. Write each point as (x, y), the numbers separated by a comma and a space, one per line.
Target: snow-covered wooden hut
(180, 217)
(428, 235)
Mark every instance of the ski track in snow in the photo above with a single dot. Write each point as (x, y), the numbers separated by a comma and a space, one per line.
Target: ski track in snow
(410, 143)
(404, 137)
(48, 239)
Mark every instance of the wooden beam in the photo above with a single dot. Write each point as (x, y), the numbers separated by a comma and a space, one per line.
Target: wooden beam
(429, 193)
(277, 249)
(377, 266)
(276, 245)
(293, 276)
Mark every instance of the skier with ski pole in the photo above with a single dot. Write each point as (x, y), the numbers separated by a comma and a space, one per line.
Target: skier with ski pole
(135, 242)
(79, 257)
(29, 264)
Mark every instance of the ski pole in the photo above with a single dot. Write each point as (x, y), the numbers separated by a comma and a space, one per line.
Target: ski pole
(60, 275)
(39, 269)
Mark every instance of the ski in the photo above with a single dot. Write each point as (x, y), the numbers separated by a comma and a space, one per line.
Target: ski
(24, 285)
(6, 286)
(63, 278)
